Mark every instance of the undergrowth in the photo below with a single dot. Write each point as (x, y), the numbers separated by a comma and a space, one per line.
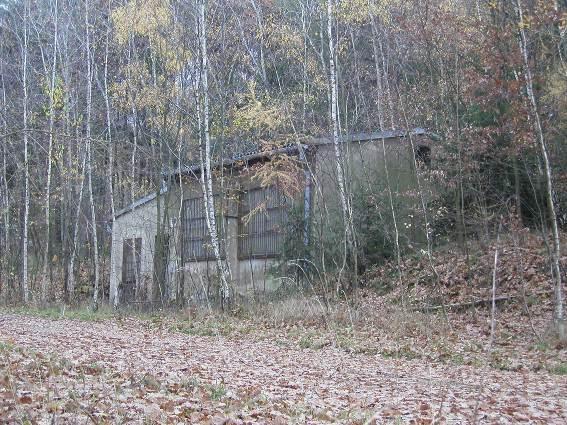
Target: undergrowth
(63, 312)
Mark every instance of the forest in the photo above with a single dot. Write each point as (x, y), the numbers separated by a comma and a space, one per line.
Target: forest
(443, 248)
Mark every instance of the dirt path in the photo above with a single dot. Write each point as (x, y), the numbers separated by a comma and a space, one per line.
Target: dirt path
(80, 372)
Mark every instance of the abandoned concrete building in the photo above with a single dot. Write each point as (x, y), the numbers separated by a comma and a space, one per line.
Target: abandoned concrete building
(160, 243)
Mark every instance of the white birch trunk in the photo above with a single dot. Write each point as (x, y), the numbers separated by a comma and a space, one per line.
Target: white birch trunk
(379, 74)
(45, 273)
(5, 202)
(494, 280)
(134, 124)
(71, 266)
(108, 121)
(89, 158)
(66, 215)
(25, 283)
(305, 59)
(335, 127)
(206, 176)
(260, 24)
(6, 193)
(133, 157)
(387, 86)
(556, 254)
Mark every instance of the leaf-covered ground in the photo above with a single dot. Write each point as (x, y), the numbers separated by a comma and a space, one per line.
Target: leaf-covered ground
(138, 371)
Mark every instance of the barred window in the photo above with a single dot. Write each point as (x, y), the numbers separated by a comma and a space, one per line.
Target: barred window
(196, 238)
(263, 213)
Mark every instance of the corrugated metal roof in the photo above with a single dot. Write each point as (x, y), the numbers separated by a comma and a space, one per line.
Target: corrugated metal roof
(242, 150)
(253, 152)
(247, 150)
(139, 202)
(376, 135)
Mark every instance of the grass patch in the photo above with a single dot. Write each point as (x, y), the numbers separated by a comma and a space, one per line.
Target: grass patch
(355, 416)
(312, 340)
(542, 346)
(150, 382)
(62, 312)
(189, 383)
(217, 392)
(559, 369)
(400, 353)
(501, 361)
(206, 328)
(6, 346)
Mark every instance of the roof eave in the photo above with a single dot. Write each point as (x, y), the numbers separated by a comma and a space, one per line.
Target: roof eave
(196, 169)
(139, 202)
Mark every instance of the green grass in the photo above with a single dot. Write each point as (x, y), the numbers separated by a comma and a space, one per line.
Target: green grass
(6, 346)
(212, 326)
(217, 391)
(501, 361)
(55, 313)
(559, 369)
(400, 353)
(151, 382)
(313, 340)
(205, 328)
(189, 383)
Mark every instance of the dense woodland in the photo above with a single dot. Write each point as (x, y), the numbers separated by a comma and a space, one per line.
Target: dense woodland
(99, 97)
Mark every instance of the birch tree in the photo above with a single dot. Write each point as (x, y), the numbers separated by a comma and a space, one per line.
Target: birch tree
(380, 105)
(544, 152)
(25, 282)
(347, 222)
(90, 158)
(106, 95)
(45, 272)
(5, 205)
(206, 160)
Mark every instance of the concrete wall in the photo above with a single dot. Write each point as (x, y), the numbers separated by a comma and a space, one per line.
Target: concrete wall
(364, 168)
(198, 278)
(192, 278)
(140, 223)
(365, 174)
(249, 277)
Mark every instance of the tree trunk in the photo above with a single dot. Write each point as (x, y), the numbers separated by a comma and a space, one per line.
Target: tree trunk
(337, 149)
(71, 266)
(25, 283)
(494, 281)
(379, 101)
(206, 167)
(45, 273)
(556, 254)
(305, 64)
(108, 121)
(90, 159)
(5, 190)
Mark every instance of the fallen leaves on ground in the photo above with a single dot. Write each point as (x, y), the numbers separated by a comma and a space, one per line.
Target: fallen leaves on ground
(70, 371)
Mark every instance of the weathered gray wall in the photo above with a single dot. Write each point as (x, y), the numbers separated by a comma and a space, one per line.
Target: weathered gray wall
(365, 172)
(200, 277)
(140, 223)
(364, 169)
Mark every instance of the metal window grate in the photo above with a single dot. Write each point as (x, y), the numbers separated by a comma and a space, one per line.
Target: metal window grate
(196, 238)
(263, 213)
